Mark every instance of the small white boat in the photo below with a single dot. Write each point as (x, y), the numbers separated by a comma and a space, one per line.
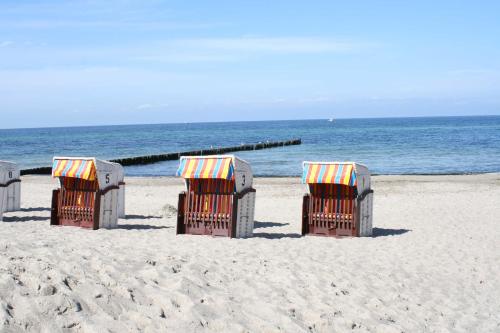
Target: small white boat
(331, 120)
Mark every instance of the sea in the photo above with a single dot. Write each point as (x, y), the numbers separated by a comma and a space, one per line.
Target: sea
(433, 145)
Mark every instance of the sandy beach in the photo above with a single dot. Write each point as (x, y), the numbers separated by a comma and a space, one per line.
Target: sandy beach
(432, 265)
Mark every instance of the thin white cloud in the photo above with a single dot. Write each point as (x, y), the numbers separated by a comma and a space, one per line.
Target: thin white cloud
(6, 43)
(97, 15)
(316, 99)
(184, 57)
(241, 48)
(200, 50)
(144, 106)
(271, 44)
(107, 24)
(148, 106)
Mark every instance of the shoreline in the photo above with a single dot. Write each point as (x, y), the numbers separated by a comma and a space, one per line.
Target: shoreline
(479, 174)
(293, 176)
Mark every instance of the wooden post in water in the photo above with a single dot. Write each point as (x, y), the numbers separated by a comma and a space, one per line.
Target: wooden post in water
(150, 159)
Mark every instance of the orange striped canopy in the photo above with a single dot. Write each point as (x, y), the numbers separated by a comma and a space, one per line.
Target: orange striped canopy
(206, 167)
(74, 168)
(329, 173)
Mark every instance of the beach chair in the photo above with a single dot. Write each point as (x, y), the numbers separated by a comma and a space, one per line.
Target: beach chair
(219, 199)
(89, 192)
(10, 187)
(339, 201)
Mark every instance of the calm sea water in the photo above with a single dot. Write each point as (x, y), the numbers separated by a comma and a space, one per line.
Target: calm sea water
(387, 146)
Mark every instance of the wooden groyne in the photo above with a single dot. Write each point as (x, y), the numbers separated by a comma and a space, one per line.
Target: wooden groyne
(150, 159)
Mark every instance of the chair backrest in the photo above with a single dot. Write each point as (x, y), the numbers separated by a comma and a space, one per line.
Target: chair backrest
(69, 183)
(77, 192)
(214, 196)
(211, 186)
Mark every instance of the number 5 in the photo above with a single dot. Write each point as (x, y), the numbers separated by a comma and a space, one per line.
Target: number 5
(107, 178)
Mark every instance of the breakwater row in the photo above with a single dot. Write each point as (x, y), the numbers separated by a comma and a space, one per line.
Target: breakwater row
(150, 159)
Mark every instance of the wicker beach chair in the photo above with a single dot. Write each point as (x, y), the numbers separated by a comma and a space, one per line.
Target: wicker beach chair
(339, 201)
(219, 199)
(89, 194)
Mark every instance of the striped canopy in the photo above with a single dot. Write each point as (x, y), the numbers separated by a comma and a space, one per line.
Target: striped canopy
(213, 167)
(329, 173)
(75, 168)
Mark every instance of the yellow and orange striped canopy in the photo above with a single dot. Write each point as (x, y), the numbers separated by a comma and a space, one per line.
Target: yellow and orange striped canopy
(329, 173)
(210, 167)
(74, 168)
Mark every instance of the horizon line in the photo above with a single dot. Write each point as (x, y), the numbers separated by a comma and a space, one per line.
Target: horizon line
(247, 121)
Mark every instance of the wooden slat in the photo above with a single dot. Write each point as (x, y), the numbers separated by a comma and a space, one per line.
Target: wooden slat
(331, 207)
(209, 205)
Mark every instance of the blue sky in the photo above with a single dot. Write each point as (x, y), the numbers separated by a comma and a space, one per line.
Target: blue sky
(124, 62)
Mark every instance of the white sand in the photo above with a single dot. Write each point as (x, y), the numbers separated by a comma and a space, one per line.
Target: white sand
(434, 265)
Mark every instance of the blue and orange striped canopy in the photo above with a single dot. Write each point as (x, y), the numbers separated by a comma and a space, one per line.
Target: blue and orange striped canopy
(329, 173)
(206, 167)
(74, 168)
